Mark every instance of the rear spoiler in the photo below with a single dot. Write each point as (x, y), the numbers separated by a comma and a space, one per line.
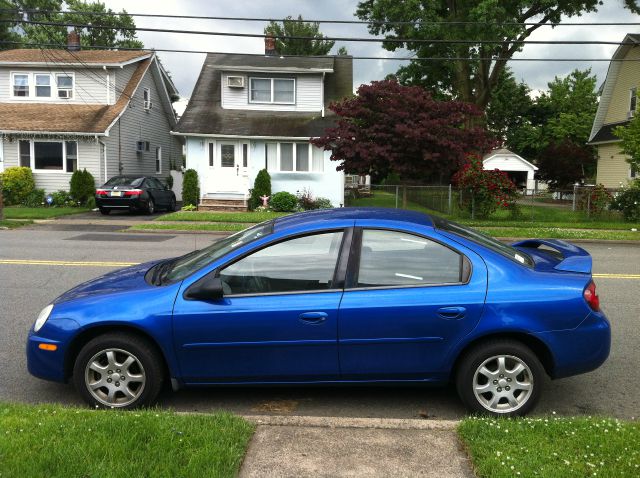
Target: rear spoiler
(574, 258)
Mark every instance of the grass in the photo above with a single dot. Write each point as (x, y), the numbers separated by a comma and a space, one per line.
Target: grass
(552, 447)
(241, 217)
(18, 212)
(560, 233)
(55, 441)
(221, 226)
(12, 224)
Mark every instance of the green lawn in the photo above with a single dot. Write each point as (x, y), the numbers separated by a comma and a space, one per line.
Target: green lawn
(54, 441)
(530, 231)
(552, 447)
(204, 216)
(18, 212)
(13, 223)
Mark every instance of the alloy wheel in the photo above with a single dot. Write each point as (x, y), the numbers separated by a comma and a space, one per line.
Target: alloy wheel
(115, 377)
(503, 383)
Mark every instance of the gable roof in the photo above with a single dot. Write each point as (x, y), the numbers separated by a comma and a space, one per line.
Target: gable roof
(204, 114)
(69, 118)
(631, 40)
(32, 56)
(510, 154)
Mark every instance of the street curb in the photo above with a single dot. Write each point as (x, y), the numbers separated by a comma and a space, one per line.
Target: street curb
(176, 231)
(365, 423)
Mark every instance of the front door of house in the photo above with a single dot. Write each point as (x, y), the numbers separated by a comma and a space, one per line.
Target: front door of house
(231, 171)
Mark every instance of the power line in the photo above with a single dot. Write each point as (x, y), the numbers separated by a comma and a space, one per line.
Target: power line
(207, 52)
(341, 39)
(322, 21)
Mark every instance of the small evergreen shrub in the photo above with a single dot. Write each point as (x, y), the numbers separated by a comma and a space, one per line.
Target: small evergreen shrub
(82, 186)
(283, 202)
(34, 199)
(62, 198)
(323, 203)
(17, 184)
(261, 187)
(628, 202)
(190, 188)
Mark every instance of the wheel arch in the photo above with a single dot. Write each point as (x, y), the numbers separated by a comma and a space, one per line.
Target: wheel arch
(537, 346)
(89, 334)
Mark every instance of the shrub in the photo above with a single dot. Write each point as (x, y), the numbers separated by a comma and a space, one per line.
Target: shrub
(34, 199)
(190, 188)
(82, 186)
(323, 203)
(62, 198)
(483, 191)
(597, 200)
(189, 207)
(17, 184)
(283, 202)
(628, 202)
(306, 200)
(261, 187)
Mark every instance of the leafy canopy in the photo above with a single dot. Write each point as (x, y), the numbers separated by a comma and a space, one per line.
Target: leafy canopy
(630, 136)
(390, 128)
(473, 81)
(297, 46)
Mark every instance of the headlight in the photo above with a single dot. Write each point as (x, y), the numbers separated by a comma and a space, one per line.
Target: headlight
(42, 317)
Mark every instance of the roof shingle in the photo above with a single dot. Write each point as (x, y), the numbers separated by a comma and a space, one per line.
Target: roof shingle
(99, 57)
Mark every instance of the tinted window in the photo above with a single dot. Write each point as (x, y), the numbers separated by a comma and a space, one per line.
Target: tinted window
(124, 181)
(301, 264)
(391, 258)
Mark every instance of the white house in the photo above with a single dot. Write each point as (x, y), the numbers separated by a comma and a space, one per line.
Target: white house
(520, 170)
(250, 112)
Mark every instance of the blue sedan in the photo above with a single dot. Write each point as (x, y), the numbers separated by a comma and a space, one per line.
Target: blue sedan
(336, 296)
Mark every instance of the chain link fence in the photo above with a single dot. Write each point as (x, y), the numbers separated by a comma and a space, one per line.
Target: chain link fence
(578, 203)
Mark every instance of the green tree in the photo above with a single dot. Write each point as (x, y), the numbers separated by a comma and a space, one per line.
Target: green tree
(118, 35)
(509, 107)
(630, 136)
(298, 28)
(502, 22)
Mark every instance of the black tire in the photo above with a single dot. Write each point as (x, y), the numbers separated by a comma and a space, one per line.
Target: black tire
(139, 392)
(105, 211)
(151, 206)
(172, 205)
(497, 387)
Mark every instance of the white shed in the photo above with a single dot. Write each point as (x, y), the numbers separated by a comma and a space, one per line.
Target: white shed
(519, 169)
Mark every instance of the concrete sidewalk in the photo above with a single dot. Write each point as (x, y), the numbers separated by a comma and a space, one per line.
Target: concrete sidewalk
(354, 447)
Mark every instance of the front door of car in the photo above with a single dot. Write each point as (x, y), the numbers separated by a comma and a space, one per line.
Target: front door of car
(408, 300)
(277, 320)
(159, 192)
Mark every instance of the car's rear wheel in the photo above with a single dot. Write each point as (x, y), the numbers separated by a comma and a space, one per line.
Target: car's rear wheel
(118, 371)
(151, 206)
(172, 204)
(105, 211)
(500, 378)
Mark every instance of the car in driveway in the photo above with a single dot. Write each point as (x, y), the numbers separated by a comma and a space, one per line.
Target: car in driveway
(356, 296)
(134, 193)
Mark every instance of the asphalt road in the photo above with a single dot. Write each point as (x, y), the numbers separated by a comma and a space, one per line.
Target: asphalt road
(26, 287)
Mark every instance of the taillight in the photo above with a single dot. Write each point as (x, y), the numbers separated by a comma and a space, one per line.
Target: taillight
(101, 192)
(591, 297)
(133, 192)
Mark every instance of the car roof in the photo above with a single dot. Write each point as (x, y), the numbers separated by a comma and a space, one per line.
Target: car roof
(354, 213)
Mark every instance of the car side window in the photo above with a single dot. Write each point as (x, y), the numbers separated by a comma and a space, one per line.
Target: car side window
(393, 258)
(153, 182)
(304, 263)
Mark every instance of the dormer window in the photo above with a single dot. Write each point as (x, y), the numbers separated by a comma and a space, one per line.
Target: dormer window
(43, 86)
(20, 85)
(272, 90)
(65, 86)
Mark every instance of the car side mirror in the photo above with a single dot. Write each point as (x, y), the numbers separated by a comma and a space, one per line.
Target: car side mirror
(206, 288)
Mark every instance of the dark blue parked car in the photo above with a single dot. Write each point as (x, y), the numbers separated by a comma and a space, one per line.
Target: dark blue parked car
(344, 295)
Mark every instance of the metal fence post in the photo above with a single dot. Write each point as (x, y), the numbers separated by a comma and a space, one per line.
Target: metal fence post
(449, 208)
(397, 194)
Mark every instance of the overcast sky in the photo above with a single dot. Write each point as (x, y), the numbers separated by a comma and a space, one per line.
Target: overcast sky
(184, 68)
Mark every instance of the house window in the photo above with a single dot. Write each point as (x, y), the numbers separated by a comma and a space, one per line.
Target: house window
(146, 95)
(227, 155)
(633, 172)
(633, 99)
(272, 90)
(65, 86)
(158, 160)
(49, 155)
(20, 85)
(245, 155)
(294, 157)
(211, 154)
(43, 86)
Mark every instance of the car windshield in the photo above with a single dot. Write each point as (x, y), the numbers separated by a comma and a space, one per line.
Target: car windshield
(124, 181)
(484, 240)
(186, 265)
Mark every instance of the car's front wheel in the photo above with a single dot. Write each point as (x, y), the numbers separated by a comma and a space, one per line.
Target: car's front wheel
(118, 370)
(151, 206)
(500, 378)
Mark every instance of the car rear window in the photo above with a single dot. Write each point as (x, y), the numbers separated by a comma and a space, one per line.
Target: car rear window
(124, 181)
(484, 240)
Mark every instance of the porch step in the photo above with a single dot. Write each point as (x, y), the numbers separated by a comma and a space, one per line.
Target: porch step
(231, 205)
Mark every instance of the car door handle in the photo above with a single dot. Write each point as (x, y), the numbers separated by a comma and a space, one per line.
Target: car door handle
(451, 312)
(313, 317)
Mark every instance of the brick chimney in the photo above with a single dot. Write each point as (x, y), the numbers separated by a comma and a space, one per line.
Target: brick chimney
(73, 41)
(269, 45)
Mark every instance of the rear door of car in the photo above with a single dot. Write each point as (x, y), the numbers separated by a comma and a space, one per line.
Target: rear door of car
(410, 296)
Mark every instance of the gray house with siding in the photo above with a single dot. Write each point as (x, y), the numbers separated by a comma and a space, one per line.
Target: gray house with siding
(107, 111)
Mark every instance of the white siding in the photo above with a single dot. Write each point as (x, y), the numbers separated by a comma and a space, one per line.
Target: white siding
(309, 92)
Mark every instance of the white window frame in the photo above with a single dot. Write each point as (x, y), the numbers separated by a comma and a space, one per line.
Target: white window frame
(272, 101)
(72, 75)
(13, 84)
(32, 158)
(633, 93)
(35, 85)
(295, 158)
(146, 99)
(158, 160)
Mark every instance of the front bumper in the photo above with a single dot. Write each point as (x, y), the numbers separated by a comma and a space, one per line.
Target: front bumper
(582, 349)
(45, 364)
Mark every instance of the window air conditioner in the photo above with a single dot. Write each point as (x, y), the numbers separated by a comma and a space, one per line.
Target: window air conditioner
(630, 114)
(235, 81)
(148, 105)
(64, 94)
(142, 146)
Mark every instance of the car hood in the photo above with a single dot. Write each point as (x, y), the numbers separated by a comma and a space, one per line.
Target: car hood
(127, 279)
